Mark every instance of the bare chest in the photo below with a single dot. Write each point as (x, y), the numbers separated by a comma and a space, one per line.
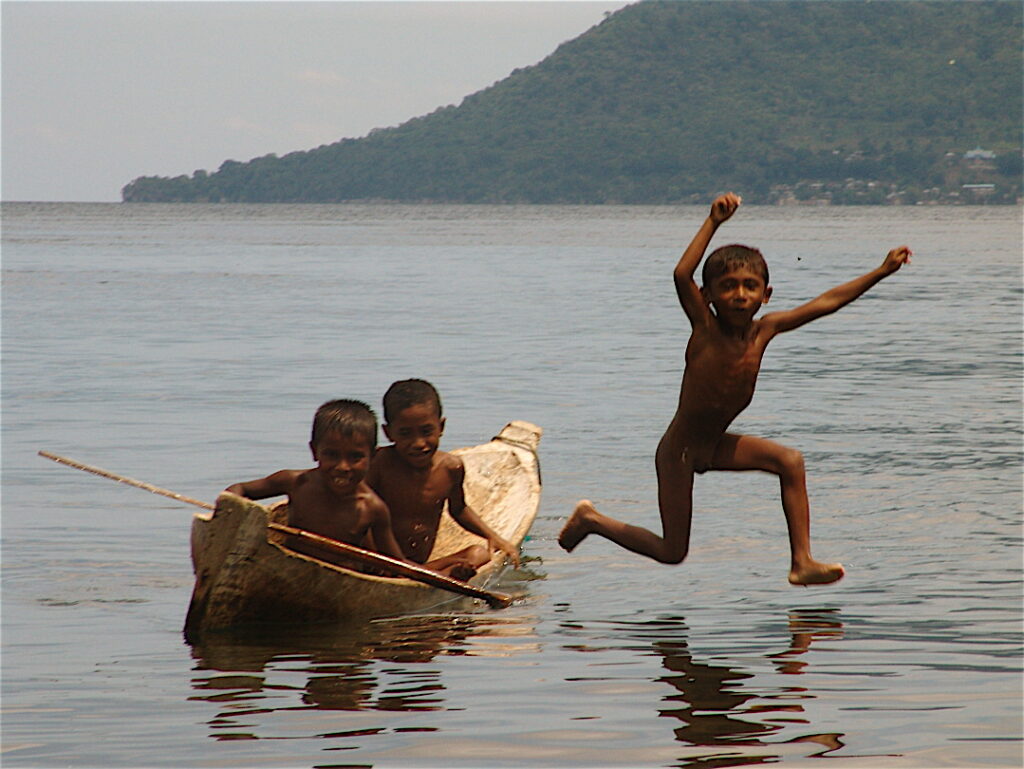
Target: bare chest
(721, 373)
(737, 360)
(329, 517)
(416, 505)
(412, 497)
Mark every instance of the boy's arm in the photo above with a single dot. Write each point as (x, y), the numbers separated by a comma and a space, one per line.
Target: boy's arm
(690, 298)
(840, 296)
(467, 518)
(383, 537)
(277, 484)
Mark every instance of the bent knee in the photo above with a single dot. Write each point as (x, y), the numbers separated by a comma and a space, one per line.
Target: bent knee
(477, 555)
(791, 463)
(671, 556)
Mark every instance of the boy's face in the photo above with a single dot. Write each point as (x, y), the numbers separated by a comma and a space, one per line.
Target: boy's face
(342, 461)
(416, 432)
(737, 294)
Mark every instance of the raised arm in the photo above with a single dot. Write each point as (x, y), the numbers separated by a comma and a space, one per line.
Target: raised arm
(837, 297)
(687, 290)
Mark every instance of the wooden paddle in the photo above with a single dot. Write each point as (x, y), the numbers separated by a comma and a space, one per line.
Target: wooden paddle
(418, 573)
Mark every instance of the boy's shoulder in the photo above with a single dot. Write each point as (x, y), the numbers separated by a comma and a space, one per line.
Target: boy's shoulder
(450, 471)
(370, 500)
(303, 487)
(385, 458)
(292, 479)
(714, 332)
(448, 462)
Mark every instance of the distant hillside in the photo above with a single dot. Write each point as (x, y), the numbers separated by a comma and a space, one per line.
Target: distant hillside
(843, 101)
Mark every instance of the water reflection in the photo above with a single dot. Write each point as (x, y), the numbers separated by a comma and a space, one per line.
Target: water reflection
(717, 710)
(718, 705)
(384, 665)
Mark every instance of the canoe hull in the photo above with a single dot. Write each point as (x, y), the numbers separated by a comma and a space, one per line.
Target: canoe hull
(244, 574)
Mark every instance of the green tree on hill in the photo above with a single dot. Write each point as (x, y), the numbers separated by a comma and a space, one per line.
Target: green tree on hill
(672, 101)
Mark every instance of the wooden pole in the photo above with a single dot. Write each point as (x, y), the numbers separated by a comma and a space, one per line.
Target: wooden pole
(122, 479)
(418, 573)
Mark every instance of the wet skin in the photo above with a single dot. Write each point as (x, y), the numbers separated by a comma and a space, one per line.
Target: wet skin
(723, 359)
(332, 499)
(415, 478)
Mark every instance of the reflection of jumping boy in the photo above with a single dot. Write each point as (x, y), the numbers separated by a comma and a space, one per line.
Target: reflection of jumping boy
(723, 357)
(415, 479)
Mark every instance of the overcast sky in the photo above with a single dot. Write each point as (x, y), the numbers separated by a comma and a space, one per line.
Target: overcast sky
(96, 94)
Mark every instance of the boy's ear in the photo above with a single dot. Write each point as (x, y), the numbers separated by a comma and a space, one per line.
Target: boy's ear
(312, 448)
(441, 422)
(705, 295)
(767, 294)
(387, 433)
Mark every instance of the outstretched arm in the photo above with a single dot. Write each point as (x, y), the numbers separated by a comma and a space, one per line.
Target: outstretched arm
(470, 521)
(467, 518)
(693, 303)
(277, 484)
(837, 297)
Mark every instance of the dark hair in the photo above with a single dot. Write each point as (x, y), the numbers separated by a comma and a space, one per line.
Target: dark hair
(409, 392)
(723, 259)
(348, 417)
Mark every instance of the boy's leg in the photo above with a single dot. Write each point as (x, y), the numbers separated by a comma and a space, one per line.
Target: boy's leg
(463, 564)
(744, 452)
(675, 502)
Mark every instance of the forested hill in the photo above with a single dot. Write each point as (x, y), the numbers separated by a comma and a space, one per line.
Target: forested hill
(837, 101)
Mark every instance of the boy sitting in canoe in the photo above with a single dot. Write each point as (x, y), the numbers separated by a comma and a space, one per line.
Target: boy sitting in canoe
(333, 499)
(415, 480)
(723, 357)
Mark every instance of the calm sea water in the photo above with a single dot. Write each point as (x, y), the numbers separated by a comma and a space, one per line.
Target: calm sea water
(189, 346)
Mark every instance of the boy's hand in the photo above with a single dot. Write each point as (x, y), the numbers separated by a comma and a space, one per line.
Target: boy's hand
(497, 543)
(896, 259)
(723, 207)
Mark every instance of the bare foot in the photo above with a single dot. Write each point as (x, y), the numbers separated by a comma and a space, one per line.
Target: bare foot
(816, 573)
(462, 571)
(576, 528)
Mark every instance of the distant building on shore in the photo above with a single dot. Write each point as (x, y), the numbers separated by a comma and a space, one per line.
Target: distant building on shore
(979, 154)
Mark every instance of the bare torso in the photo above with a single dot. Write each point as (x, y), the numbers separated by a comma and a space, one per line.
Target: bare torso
(312, 508)
(415, 498)
(718, 383)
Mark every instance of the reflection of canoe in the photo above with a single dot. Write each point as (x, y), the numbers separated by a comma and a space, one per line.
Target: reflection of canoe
(245, 574)
(366, 666)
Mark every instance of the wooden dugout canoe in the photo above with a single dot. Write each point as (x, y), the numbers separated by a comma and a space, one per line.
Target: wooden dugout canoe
(245, 574)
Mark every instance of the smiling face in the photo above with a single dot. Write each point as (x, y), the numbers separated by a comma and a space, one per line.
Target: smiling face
(737, 294)
(342, 461)
(416, 432)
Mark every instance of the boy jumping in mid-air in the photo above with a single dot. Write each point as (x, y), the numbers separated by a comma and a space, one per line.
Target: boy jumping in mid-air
(723, 357)
(415, 479)
(332, 499)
